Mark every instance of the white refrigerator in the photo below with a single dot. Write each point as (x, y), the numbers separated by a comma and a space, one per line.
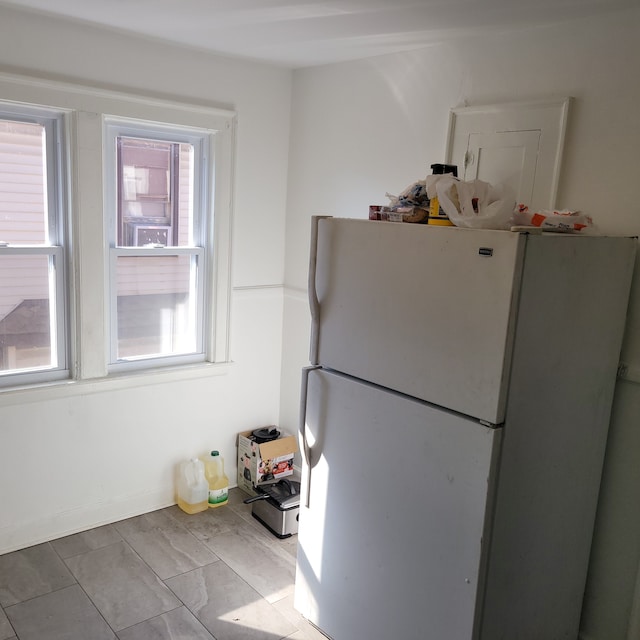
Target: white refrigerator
(453, 422)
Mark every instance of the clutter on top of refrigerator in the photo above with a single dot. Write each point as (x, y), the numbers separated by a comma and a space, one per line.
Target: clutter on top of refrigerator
(445, 200)
(437, 215)
(418, 202)
(564, 221)
(476, 204)
(412, 205)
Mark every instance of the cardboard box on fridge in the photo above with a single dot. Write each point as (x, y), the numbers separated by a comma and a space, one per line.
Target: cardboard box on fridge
(264, 462)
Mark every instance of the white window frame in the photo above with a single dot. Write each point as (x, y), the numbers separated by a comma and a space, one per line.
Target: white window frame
(86, 255)
(201, 272)
(55, 246)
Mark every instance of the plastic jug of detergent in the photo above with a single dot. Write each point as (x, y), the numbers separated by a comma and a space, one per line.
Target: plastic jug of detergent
(193, 488)
(217, 480)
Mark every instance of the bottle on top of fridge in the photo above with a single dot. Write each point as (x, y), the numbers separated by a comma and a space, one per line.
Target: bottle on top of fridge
(192, 486)
(218, 481)
(436, 215)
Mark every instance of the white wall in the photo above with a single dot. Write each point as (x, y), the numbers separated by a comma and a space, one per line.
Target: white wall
(106, 450)
(364, 128)
(99, 451)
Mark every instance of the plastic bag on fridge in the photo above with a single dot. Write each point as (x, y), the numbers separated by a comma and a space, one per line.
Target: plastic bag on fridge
(475, 204)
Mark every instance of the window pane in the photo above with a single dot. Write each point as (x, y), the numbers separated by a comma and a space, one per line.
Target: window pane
(26, 319)
(156, 306)
(23, 214)
(155, 185)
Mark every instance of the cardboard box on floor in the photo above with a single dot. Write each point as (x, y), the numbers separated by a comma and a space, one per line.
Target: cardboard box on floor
(264, 462)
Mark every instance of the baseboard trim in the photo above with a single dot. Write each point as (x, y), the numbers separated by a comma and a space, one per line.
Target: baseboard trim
(50, 527)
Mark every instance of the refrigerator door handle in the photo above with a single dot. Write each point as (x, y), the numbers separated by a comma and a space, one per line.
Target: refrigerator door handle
(306, 451)
(314, 303)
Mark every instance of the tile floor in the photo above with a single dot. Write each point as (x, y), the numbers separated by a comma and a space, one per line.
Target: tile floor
(165, 575)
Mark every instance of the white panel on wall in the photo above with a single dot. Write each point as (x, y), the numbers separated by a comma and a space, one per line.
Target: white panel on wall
(519, 145)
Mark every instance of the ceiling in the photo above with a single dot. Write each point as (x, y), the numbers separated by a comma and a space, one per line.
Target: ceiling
(300, 33)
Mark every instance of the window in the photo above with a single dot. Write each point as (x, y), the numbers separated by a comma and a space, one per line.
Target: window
(157, 228)
(33, 304)
(115, 235)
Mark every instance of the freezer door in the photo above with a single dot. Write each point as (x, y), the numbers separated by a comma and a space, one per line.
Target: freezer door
(427, 311)
(391, 544)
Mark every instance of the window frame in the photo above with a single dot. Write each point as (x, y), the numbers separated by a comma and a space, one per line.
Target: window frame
(56, 242)
(86, 256)
(201, 273)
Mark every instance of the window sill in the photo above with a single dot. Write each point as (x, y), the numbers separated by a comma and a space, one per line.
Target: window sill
(113, 382)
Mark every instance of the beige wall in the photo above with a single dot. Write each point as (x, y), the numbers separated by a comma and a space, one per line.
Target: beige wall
(362, 129)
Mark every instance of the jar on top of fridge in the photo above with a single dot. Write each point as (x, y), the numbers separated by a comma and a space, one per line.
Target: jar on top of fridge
(436, 215)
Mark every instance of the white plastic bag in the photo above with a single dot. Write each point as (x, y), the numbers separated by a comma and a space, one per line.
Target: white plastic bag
(475, 204)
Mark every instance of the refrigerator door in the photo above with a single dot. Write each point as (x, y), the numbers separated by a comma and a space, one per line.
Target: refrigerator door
(391, 543)
(427, 311)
